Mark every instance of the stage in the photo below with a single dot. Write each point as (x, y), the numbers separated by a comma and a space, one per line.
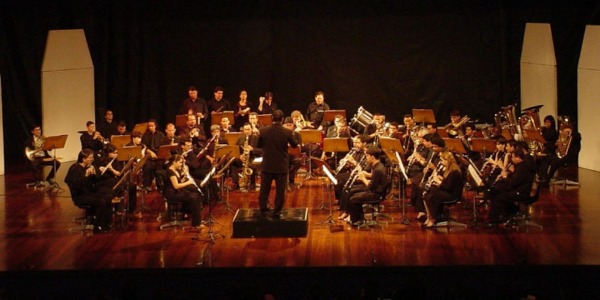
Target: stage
(138, 259)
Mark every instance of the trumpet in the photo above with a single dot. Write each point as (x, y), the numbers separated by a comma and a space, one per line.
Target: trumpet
(303, 123)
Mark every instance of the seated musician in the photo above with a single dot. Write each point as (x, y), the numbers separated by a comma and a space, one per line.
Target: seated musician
(548, 152)
(91, 139)
(108, 170)
(198, 169)
(81, 179)
(40, 158)
(181, 187)
(313, 149)
(394, 131)
(568, 147)
(374, 185)
(294, 153)
(226, 127)
(519, 180)
(426, 165)
(315, 111)
(431, 128)
(355, 158)
(246, 142)
(455, 123)
(410, 131)
(191, 125)
(211, 149)
(493, 164)
(340, 129)
(121, 128)
(375, 129)
(443, 186)
(152, 139)
(170, 138)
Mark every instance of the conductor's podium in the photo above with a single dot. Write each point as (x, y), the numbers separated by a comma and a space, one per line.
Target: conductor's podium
(249, 223)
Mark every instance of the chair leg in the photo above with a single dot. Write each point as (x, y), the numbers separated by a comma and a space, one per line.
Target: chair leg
(85, 223)
(174, 212)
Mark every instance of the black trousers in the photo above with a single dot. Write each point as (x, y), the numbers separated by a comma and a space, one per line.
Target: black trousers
(265, 190)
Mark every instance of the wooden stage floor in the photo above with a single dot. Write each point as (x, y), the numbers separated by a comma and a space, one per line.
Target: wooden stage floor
(34, 236)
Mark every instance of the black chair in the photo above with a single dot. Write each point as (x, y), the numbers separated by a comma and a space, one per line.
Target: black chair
(562, 178)
(86, 223)
(374, 209)
(445, 219)
(174, 214)
(522, 218)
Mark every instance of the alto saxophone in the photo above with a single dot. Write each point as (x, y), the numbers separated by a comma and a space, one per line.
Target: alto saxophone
(246, 155)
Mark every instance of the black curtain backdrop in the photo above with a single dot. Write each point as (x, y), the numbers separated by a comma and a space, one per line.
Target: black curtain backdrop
(387, 56)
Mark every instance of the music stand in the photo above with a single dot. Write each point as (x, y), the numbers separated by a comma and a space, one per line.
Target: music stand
(455, 145)
(215, 117)
(423, 115)
(402, 180)
(310, 136)
(211, 234)
(391, 145)
(329, 219)
(53, 143)
(441, 131)
(232, 137)
(478, 183)
(484, 146)
(335, 145)
(265, 119)
(180, 120)
(329, 115)
(321, 164)
(141, 127)
(120, 140)
(164, 151)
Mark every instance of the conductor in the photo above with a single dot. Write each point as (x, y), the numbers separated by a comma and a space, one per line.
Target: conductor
(274, 140)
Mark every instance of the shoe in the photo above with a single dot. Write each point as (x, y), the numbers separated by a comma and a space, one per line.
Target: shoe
(51, 181)
(343, 216)
(357, 223)
(421, 217)
(276, 215)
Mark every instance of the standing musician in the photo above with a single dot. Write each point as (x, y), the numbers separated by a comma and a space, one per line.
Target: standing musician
(92, 139)
(520, 180)
(107, 126)
(294, 153)
(218, 103)
(181, 187)
(444, 186)
(315, 111)
(374, 183)
(194, 105)
(428, 164)
(40, 158)
(274, 140)
(266, 104)
(253, 120)
(247, 143)
(81, 179)
(241, 110)
(152, 139)
(350, 167)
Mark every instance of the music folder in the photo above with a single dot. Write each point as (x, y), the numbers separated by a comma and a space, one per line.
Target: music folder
(423, 115)
(232, 137)
(180, 120)
(455, 145)
(164, 151)
(217, 116)
(231, 151)
(329, 115)
(141, 127)
(311, 136)
(265, 119)
(483, 145)
(125, 153)
(120, 140)
(391, 145)
(335, 145)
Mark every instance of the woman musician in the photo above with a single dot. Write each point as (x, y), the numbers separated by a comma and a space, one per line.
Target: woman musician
(444, 186)
(181, 187)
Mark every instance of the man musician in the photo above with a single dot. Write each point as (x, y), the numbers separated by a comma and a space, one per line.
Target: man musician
(316, 109)
(38, 157)
(247, 143)
(194, 105)
(91, 139)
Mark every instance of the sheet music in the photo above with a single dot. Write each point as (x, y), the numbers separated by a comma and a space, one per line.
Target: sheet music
(475, 175)
(329, 175)
(401, 165)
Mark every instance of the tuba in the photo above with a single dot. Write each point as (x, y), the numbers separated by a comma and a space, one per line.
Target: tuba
(565, 136)
(507, 119)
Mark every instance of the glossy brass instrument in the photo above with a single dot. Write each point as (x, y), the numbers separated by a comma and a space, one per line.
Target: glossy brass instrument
(565, 136)
(342, 163)
(38, 144)
(303, 123)
(354, 174)
(454, 129)
(247, 171)
(531, 120)
(506, 119)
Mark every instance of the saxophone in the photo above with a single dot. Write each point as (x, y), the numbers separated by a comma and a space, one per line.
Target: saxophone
(246, 171)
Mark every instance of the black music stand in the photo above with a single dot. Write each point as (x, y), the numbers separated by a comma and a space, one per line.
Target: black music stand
(423, 115)
(120, 140)
(211, 234)
(310, 136)
(321, 164)
(215, 117)
(334, 182)
(232, 137)
(221, 155)
(335, 145)
(124, 182)
(329, 115)
(472, 169)
(265, 119)
(53, 143)
(141, 127)
(402, 180)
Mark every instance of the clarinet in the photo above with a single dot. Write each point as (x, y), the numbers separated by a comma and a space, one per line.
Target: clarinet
(413, 158)
(431, 180)
(427, 168)
(206, 147)
(354, 174)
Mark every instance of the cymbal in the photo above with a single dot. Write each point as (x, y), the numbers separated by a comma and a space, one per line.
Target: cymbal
(535, 107)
